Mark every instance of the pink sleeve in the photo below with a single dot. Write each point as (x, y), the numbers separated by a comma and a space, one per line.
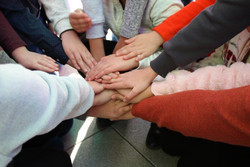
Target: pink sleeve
(207, 78)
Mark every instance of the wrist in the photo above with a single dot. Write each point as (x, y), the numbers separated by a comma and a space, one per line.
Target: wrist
(151, 73)
(18, 52)
(157, 38)
(68, 34)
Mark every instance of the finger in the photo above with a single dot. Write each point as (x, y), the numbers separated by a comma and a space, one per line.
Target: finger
(105, 71)
(129, 41)
(134, 92)
(117, 97)
(73, 61)
(125, 116)
(81, 64)
(118, 85)
(124, 110)
(123, 51)
(106, 77)
(131, 55)
(113, 75)
(140, 57)
(45, 68)
(88, 59)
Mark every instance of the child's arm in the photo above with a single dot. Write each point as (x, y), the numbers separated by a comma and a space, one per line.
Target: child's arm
(15, 47)
(111, 110)
(131, 23)
(78, 54)
(214, 115)
(95, 34)
(142, 45)
(33, 30)
(111, 64)
(34, 61)
(143, 95)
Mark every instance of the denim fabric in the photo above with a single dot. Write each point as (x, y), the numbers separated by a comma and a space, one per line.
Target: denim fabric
(32, 30)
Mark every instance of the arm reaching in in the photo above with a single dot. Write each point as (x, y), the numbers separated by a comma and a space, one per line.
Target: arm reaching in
(78, 54)
(80, 21)
(137, 80)
(34, 61)
(141, 46)
(110, 64)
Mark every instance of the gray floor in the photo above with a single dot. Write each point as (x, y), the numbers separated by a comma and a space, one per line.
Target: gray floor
(120, 145)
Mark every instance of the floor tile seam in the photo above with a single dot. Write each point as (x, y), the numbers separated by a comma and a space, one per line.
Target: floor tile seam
(120, 134)
(71, 146)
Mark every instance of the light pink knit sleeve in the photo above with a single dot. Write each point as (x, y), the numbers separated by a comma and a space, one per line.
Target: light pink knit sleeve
(207, 78)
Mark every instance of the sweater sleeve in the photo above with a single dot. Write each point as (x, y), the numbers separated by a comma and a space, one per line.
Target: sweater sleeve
(32, 28)
(94, 10)
(132, 17)
(168, 28)
(9, 39)
(211, 28)
(207, 78)
(34, 102)
(58, 13)
(214, 115)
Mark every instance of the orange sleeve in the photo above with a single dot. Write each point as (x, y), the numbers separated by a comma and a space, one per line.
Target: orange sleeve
(168, 28)
(222, 115)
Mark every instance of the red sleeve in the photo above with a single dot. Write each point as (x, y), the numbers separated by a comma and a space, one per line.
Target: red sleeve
(222, 115)
(9, 39)
(168, 28)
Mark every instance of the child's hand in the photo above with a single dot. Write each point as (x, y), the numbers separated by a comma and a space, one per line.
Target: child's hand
(34, 61)
(103, 97)
(141, 46)
(110, 64)
(78, 54)
(80, 21)
(123, 92)
(97, 87)
(113, 109)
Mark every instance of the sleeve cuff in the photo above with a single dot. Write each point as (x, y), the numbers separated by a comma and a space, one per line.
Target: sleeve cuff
(96, 31)
(163, 64)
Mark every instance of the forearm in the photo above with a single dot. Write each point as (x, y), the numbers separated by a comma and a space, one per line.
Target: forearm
(214, 115)
(49, 100)
(97, 48)
(9, 39)
(32, 28)
(207, 78)
(94, 10)
(217, 24)
(58, 13)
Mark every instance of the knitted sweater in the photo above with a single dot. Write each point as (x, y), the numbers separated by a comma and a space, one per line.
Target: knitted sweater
(168, 28)
(33, 103)
(215, 115)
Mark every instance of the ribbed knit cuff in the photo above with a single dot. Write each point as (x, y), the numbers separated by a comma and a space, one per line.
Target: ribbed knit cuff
(163, 64)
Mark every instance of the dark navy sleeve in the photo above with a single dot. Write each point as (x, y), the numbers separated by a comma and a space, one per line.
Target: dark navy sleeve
(32, 28)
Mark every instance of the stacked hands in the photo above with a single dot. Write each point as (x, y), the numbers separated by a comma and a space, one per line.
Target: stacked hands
(115, 92)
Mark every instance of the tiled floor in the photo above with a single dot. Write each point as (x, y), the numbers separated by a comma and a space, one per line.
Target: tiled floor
(120, 145)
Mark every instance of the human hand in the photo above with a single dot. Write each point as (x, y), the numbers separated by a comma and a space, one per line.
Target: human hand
(111, 110)
(143, 95)
(140, 46)
(137, 80)
(103, 97)
(97, 87)
(78, 54)
(34, 61)
(121, 43)
(126, 116)
(110, 64)
(80, 21)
